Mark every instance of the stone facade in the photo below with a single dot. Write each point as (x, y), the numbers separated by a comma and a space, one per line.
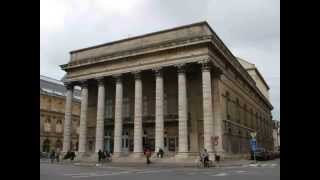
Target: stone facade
(52, 114)
(180, 89)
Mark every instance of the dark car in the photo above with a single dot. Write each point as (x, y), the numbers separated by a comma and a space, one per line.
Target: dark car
(261, 154)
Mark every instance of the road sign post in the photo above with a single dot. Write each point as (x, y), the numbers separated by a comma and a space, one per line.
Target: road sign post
(253, 143)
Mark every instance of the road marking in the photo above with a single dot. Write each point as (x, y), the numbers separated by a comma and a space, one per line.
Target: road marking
(220, 174)
(153, 171)
(99, 175)
(241, 172)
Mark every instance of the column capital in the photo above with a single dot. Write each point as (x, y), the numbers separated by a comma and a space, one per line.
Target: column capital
(68, 85)
(117, 77)
(205, 65)
(157, 71)
(217, 71)
(84, 83)
(137, 74)
(100, 80)
(181, 68)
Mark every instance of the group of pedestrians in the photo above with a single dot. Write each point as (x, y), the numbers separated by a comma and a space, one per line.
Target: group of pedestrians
(103, 155)
(55, 155)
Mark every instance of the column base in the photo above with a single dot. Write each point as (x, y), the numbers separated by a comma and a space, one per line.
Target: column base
(182, 155)
(116, 154)
(137, 155)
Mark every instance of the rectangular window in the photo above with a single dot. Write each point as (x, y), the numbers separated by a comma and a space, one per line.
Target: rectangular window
(145, 106)
(109, 106)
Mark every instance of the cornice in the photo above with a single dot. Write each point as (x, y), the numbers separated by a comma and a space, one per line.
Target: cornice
(138, 51)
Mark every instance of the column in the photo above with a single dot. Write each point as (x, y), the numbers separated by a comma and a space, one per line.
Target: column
(100, 115)
(183, 112)
(207, 107)
(118, 118)
(83, 117)
(67, 118)
(159, 123)
(137, 146)
(217, 110)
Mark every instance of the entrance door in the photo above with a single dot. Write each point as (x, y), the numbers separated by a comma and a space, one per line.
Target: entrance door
(108, 144)
(125, 144)
(172, 143)
(166, 144)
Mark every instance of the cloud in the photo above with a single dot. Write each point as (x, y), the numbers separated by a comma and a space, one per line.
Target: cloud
(249, 28)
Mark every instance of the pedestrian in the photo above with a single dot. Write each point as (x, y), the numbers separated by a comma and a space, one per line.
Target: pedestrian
(58, 155)
(206, 158)
(160, 153)
(72, 155)
(100, 155)
(52, 156)
(148, 154)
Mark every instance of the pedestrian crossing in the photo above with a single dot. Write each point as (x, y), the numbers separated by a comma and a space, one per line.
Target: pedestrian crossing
(118, 171)
(266, 165)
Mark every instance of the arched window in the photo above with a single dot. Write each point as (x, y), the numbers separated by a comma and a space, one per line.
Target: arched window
(47, 125)
(46, 145)
(58, 144)
(59, 126)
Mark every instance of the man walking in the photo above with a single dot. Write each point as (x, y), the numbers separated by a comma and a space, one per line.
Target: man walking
(52, 156)
(100, 155)
(148, 154)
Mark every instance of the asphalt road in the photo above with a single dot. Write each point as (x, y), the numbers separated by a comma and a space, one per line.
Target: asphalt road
(269, 170)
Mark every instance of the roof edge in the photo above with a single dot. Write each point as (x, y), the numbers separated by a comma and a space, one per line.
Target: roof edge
(143, 35)
(261, 77)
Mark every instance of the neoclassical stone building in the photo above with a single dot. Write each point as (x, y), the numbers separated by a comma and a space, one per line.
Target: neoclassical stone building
(179, 89)
(52, 106)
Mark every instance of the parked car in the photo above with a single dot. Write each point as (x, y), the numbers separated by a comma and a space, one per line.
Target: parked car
(44, 155)
(261, 154)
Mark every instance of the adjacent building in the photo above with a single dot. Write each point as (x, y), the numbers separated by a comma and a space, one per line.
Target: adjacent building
(276, 135)
(179, 89)
(52, 109)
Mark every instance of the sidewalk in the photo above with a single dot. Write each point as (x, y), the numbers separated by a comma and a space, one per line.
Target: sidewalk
(154, 163)
(163, 164)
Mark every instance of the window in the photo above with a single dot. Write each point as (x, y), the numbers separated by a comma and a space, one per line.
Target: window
(165, 104)
(126, 107)
(228, 105)
(46, 145)
(145, 106)
(59, 126)
(109, 113)
(245, 115)
(237, 110)
(58, 144)
(47, 125)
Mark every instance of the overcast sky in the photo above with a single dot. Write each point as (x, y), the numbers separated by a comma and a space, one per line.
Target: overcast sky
(249, 28)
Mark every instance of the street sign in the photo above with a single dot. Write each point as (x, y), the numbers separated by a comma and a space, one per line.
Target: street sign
(253, 143)
(253, 135)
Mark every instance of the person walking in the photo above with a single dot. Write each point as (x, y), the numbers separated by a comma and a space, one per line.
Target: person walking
(100, 155)
(160, 153)
(52, 156)
(206, 158)
(58, 155)
(148, 154)
(72, 155)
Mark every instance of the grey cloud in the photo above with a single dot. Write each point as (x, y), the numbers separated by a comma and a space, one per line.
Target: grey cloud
(249, 28)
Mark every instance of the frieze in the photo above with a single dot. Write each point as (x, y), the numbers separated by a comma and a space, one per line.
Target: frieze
(103, 58)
